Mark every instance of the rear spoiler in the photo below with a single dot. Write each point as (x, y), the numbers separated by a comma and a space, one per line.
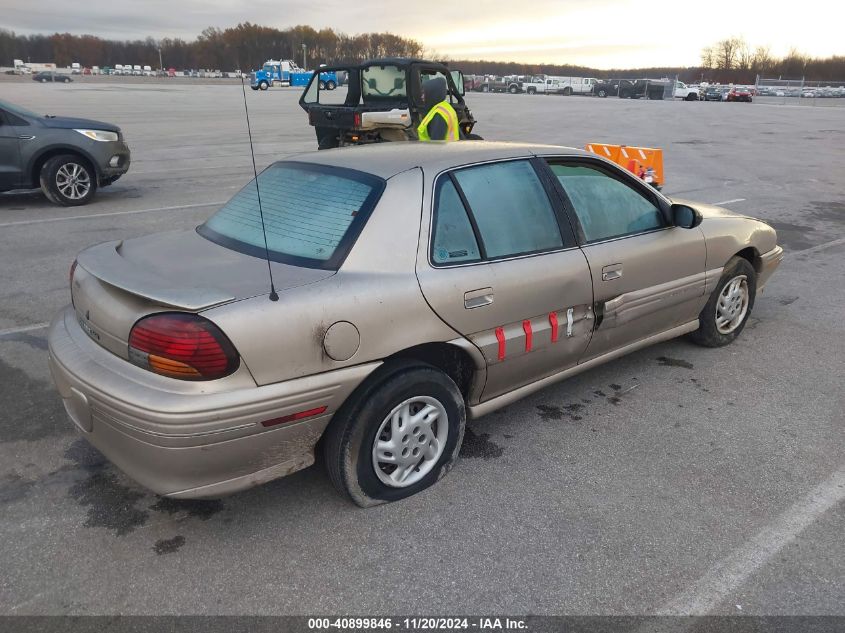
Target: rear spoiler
(105, 262)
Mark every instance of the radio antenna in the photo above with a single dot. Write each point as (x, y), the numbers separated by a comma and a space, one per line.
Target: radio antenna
(273, 295)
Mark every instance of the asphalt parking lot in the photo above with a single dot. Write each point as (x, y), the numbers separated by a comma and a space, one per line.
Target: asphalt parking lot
(675, 480)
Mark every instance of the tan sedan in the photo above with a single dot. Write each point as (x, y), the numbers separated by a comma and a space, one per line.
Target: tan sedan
(414, 286)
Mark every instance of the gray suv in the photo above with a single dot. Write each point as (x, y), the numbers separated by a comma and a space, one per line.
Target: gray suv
(68, 158)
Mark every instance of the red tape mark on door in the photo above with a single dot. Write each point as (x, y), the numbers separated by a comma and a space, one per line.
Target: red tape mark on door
(553, 323)
(526, 327)
(500, 336)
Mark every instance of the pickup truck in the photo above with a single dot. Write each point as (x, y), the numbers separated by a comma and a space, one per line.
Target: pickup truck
(685, 92)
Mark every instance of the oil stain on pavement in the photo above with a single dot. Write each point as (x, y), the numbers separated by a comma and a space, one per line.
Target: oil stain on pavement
(118, 507)
(674, 362)
(169, 545)
(479, 445)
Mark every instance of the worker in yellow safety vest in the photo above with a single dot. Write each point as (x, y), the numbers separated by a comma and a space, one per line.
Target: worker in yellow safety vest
(441, 121)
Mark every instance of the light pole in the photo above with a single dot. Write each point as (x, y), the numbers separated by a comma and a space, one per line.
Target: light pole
(160, 65)
(304, 63)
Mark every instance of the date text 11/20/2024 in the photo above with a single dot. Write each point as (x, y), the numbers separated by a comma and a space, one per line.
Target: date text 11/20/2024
(418, 623)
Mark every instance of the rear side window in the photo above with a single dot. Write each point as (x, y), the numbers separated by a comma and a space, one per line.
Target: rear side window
(454, 240)
(312, 214)
(606, 207)
(511, 209)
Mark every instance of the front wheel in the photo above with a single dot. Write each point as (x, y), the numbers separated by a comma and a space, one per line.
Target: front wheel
(532, 91)
(728, 309)
(322, 85)
(474, 137)
(263, 85)
(692, 97)
(68, 180)
(513, 90)
(396, 436)
(602, 93)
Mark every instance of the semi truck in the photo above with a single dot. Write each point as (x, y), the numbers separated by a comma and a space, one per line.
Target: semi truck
(287, 73)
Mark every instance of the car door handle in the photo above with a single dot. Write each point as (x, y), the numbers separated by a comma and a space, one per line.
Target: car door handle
(611, 272)
(478, 298)
(26, 137)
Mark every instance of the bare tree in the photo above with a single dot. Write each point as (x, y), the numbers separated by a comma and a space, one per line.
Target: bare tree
(726, 53)
(744, 56)
(762, 61)
(708, 57)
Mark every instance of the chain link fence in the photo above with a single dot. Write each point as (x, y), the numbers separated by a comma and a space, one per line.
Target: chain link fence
(784, 91)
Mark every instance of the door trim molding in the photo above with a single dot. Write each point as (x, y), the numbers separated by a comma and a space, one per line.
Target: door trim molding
(482, 409)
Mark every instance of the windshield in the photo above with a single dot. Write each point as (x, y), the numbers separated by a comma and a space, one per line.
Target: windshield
(312, 214)
(8, 107)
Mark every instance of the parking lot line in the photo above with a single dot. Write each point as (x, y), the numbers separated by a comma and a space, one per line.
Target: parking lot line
(23, 328)
(732, 571)
(179, 207)
(717, 204)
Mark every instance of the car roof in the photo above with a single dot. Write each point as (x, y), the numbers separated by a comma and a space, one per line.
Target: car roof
(388, 159)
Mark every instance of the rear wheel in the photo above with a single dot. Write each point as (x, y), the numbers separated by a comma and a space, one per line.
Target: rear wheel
(567, 91)
(485, 88)
(68, 180)
(728, 309)
(396, 436)
(322, 85)
(513, 90)
(330, 85)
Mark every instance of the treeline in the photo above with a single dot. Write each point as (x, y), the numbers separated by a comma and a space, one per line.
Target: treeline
(733, 59)
(245, 46)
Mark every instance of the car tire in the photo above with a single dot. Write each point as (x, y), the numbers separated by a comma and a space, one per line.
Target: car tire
(602, 93)
(68, 180)
(42, 80)
(263, 85)
(381, 412)
(322, 85)
(567, 91)
(513, 90)
(724, 316)
(330, 85)
(532, 91)
(254, 87)
(692, 97)
(474, 137)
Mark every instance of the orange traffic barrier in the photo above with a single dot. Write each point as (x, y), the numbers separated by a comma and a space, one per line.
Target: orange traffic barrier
(644, 162)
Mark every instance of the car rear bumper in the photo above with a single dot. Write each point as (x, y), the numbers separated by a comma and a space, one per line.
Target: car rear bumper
(190, 440)
(768, 264)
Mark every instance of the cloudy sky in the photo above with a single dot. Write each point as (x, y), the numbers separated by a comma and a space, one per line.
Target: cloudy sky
(599, 33)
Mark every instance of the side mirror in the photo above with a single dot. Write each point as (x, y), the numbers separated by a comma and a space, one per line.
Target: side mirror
(458, 79)
(685, 217)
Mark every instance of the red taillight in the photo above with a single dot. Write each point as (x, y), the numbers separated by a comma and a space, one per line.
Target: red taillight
(356, 120)
(71, 271)
(181, 345)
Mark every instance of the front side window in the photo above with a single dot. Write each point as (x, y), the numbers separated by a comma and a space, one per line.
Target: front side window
(606, 207)
(312, 214)
(511, 208)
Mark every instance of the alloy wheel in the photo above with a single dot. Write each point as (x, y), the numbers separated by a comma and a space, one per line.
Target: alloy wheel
(73, 181)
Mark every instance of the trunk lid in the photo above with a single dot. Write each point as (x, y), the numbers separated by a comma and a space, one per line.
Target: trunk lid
(116, 283)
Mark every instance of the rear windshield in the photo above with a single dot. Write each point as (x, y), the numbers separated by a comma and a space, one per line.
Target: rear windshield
(312, 214)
